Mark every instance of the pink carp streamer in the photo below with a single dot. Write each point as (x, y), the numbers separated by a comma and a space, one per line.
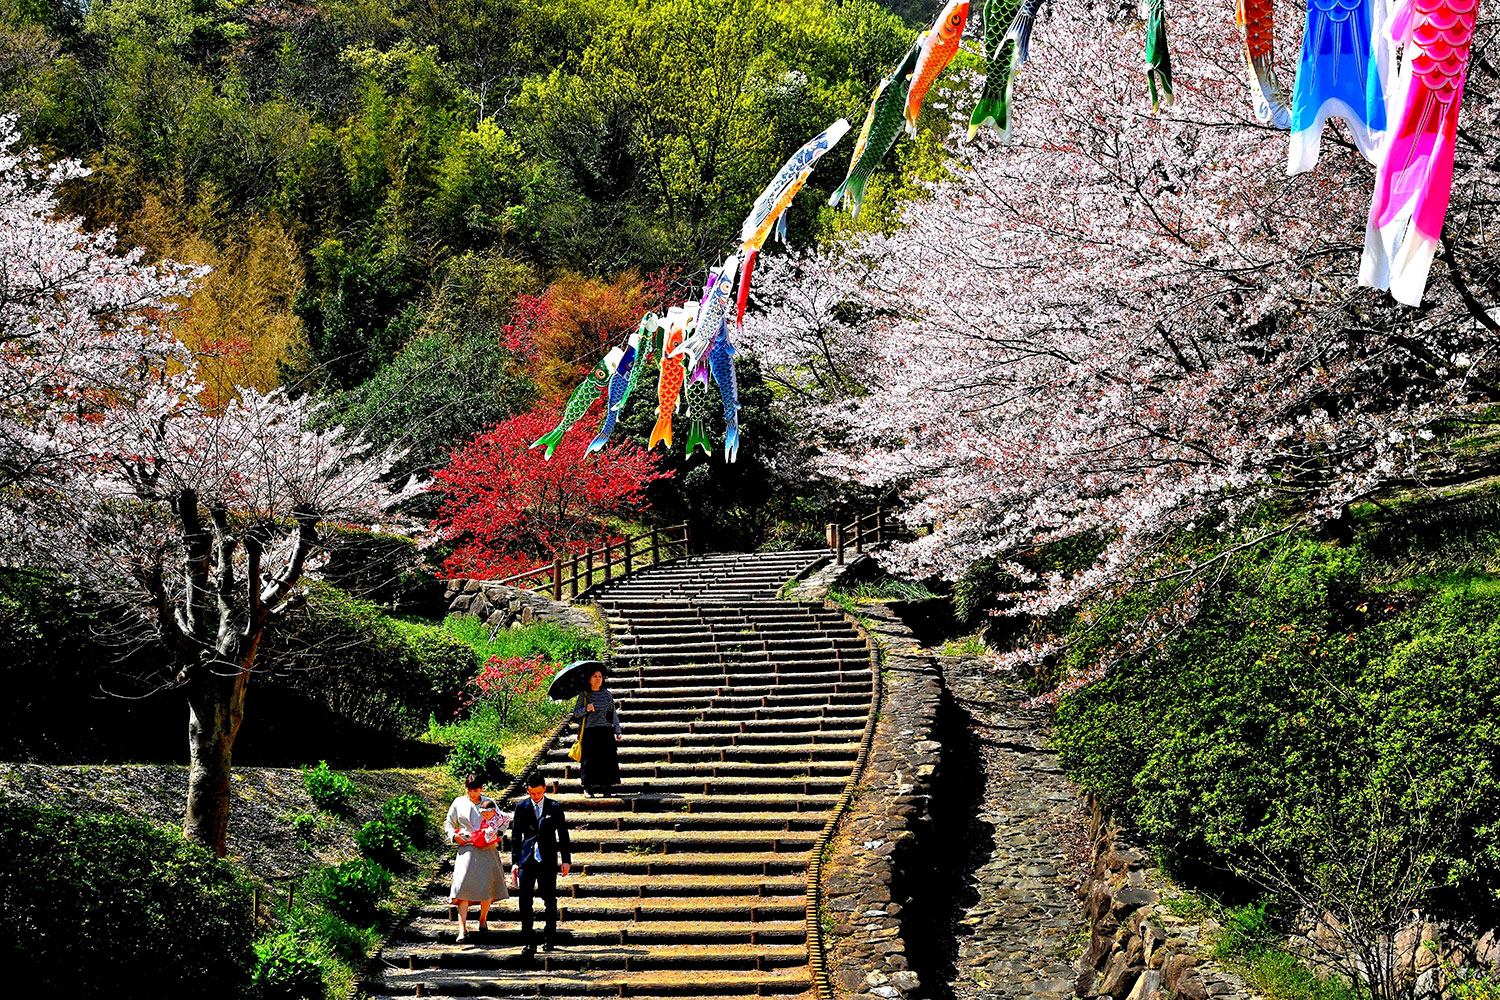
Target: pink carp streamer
(1414, 182)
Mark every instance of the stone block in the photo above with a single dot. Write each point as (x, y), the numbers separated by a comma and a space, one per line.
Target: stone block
(1118, 977)
(1176, 969)
(905, 981)
(1191, 987)
(1130, 899)
(1148, 983)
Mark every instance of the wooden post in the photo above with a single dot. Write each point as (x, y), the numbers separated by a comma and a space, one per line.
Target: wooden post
(556, 576)
(687, 538)
(655, 547)
(859, 533)
(588, 558)
(879, 524)
(609, 560)
(629, 544)
(575, 574)
(828, 535)
(838, 544)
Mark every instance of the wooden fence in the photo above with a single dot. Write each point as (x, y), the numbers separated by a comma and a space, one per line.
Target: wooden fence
(574, 573)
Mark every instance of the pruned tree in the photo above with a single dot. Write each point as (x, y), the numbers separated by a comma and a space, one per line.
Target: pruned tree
(196, 526)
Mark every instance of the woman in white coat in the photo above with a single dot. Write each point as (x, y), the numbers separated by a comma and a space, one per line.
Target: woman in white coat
(478, 876)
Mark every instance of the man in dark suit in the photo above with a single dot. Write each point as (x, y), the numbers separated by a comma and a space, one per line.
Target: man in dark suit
(538, 838)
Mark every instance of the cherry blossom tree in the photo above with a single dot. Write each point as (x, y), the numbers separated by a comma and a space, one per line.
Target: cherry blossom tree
(195, 527)
(79, 322)
(1127, 327)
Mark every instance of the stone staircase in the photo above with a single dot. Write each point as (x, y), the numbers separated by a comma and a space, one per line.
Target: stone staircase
(743, 718)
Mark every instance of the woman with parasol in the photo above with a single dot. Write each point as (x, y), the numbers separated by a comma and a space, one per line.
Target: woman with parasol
(598, 724)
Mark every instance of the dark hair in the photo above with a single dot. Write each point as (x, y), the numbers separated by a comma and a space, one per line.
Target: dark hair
(536, 780)
(473, 781)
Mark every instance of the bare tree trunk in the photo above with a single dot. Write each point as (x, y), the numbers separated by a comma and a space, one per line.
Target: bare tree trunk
(216, 705)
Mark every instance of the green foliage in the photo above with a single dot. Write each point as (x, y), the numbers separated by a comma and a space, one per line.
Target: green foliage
(968, 645)
(1304, 724)
(306, 826)
(1475, 984)
(286, 968)
(892, 590)
(552, 641)
(475, 754)
(975, 592)
(374, 566)
(1247, 930)
(353, 889)
(382, 842)
(410, 814)
(455, 378)
(387, 673)
(1247, 945)
(163, 918)
(329, 790)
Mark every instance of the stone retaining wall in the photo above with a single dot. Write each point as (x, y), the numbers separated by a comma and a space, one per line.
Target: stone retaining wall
(1138, 949)
(1132, 953)
(863, 892)
(511, 607)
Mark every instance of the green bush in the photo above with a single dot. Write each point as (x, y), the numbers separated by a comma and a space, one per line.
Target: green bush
(371, 668)
(353, 889)
(306, 825)
(411, 815)
(551, 641)
(1304, 712)
(286, 968)
(111, 906)
(382, 842)
(329, 790)
(475, 754)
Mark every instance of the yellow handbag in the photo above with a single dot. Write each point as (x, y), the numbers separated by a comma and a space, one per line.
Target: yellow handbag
(577, 752)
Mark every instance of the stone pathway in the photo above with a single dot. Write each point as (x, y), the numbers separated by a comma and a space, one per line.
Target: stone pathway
(1023, 927)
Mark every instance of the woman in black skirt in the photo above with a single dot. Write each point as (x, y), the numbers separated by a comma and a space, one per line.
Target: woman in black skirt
(601, 731)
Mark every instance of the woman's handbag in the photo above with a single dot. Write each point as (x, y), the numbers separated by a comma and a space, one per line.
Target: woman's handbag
(577, 752)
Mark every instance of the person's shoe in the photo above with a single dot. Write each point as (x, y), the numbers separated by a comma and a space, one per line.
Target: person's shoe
(484, 930)
(462, 937)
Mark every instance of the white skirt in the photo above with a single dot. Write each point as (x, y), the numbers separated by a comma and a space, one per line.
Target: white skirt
(478, 875)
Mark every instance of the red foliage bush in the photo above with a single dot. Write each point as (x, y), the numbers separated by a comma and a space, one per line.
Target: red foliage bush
(507, 508)
(508, 681)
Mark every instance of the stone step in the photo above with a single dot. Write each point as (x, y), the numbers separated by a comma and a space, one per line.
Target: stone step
(584, 926)
(743, 717)
(724, 786)
(652, 767)
(687, 803)
(690, 704)
(674, 822)
(660, 909)
(533, 980)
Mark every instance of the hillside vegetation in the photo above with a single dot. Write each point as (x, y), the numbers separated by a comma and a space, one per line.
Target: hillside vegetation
(1326, 727)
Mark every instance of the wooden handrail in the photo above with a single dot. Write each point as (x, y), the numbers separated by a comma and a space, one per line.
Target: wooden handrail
(865, 529)
(564, 574)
